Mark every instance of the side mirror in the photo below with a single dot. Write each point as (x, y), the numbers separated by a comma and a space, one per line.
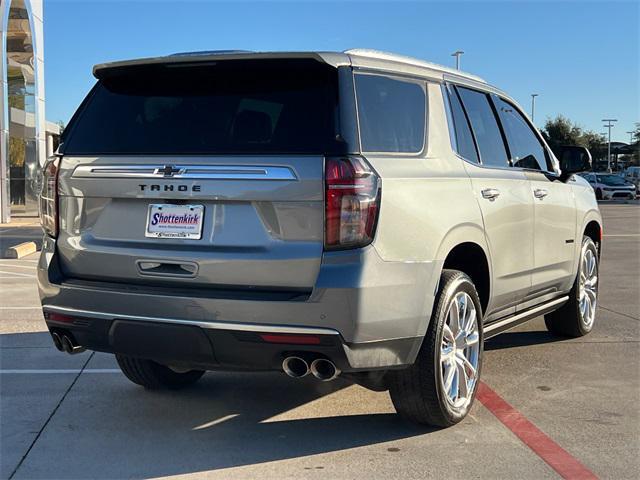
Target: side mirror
(573, 160)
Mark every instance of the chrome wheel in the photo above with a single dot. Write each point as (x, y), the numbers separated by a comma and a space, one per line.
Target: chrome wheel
(459, 351)
(588, 287)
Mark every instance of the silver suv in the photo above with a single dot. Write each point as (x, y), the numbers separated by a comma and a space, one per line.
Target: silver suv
(355, 214)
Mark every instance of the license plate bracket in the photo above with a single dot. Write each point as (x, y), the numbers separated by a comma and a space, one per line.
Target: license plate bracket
(166, 220)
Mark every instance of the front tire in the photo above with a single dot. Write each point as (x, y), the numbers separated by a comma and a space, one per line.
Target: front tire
(598, 194)
(576, 317)
(439, 388)
(154, 376)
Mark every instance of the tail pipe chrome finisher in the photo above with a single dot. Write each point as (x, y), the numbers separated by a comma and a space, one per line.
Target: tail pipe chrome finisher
(324, 370)
(69, 346)
(295, 367)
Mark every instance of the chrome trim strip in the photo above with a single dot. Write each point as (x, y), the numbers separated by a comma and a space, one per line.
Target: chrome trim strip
(526, 314)
(243, 327)
(187, 172)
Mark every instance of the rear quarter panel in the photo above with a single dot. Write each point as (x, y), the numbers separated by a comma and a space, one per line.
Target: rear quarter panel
(428, 206)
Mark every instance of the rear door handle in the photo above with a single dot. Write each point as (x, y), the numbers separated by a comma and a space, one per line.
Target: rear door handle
(540, 193)
(490, 193)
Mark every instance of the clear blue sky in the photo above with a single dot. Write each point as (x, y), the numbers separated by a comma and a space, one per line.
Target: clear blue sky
(582, 57)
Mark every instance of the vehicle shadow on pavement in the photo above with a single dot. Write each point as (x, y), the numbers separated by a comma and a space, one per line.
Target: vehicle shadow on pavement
(521, 339)
(107, 427)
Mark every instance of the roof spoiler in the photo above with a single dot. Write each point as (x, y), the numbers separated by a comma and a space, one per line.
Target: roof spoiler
(210, 57)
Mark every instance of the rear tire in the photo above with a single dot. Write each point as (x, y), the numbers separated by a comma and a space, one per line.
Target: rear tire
(576, 317)
(431, 391)
(154, 376)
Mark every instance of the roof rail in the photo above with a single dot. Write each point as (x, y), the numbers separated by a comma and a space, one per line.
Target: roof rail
(392, 57)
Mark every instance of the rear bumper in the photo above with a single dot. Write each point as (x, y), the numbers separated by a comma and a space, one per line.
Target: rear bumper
(213, 346)
(369, 314)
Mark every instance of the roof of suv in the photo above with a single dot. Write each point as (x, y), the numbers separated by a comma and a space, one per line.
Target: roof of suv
(357, 57)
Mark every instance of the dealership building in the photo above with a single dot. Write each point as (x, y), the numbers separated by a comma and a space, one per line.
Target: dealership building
(26, 138)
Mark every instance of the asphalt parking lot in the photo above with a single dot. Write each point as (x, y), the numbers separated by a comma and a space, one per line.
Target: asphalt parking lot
(67, 416)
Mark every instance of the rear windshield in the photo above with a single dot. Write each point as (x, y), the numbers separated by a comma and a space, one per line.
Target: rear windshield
(262, 106)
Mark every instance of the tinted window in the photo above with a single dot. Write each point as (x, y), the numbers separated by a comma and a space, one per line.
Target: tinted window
(485, 127)
(524, 146)
(230, 107)
(392, 114)
(464, 138)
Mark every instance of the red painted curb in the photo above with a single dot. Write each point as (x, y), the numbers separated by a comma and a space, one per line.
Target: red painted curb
(553, 454)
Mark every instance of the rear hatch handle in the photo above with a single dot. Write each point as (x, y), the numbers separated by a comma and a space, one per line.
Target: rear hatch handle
(165, 268)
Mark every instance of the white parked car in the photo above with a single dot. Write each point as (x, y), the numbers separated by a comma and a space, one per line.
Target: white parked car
(632, 174)
(609, 186)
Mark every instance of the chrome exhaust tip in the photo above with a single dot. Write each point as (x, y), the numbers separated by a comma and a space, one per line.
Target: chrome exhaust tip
(57, 341)
(295, 367)
(324, 370)
(69, 347)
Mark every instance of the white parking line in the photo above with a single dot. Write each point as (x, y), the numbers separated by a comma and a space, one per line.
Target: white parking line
(10, 265)
(624, 235)
(67, 370)
(216, 422)
(20, 308)
(16, 274)
(9, 261)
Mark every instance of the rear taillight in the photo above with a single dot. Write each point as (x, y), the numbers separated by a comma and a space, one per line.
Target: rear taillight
(352, 196)
(49, 197)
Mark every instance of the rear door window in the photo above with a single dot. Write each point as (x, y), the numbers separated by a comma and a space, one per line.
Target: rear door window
(485, 127)
(464, 138)
(524, 145)
(231, 107)
(392, 114)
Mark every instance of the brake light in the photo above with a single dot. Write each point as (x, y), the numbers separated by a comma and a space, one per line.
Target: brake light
(352, 201)
(49, 197)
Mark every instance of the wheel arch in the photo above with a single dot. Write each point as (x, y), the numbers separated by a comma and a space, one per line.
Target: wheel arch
(464, 249)
(592, 228)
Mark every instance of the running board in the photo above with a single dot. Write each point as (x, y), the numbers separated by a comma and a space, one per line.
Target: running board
(500, 326)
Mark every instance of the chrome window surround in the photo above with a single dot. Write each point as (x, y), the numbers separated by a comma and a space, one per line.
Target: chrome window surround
(492, 91)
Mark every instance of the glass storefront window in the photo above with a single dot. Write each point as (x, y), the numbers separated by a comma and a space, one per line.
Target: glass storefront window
(22, 161)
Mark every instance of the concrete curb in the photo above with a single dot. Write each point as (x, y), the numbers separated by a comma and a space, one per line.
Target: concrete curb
(21, 250)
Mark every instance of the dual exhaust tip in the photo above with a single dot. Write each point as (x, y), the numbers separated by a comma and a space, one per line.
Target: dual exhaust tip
(321, 368)
(66, 343)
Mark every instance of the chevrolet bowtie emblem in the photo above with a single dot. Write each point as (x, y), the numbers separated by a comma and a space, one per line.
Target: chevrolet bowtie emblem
(168, 170)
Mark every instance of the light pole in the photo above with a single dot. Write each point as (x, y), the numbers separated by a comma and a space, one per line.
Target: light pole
(533, 107)
(609, 125)
(631, 137)
(457, 54)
